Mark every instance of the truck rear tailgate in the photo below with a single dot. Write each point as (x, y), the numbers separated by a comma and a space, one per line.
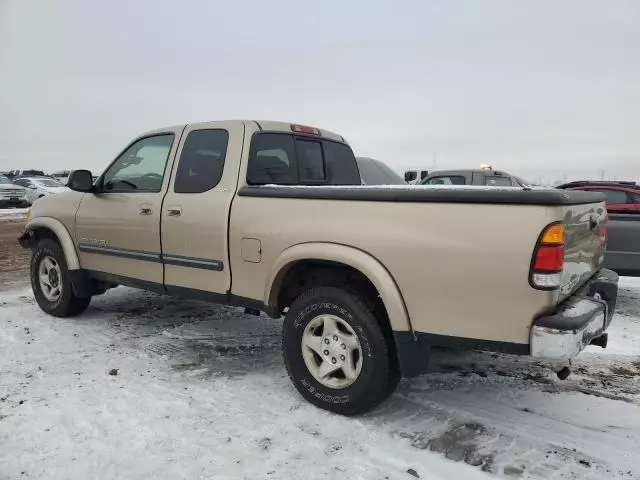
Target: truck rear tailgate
(585, 243)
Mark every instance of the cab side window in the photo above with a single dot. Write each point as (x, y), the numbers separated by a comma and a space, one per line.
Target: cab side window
(497, 181)
(141, 167)
(446, 180)
(201, 161)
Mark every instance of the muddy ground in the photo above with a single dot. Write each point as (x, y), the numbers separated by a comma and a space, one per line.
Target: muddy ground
(14, 260)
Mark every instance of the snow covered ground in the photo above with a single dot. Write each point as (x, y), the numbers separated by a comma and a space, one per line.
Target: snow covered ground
(201, 392)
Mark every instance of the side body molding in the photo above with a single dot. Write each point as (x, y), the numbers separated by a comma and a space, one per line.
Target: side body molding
(57, 227)
(353, 257)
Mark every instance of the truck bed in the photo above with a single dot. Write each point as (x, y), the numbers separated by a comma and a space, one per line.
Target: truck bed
(420, 193)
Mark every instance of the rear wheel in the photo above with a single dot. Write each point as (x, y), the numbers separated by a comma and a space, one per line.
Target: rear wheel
(51, 282)
(336, 353)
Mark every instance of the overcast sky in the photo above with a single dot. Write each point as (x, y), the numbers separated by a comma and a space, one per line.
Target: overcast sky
(540, 88)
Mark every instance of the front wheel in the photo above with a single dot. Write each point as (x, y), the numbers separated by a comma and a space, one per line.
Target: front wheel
(51, 282)
(336, 353)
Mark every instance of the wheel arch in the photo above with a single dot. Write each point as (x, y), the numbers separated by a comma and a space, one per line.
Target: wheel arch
(339, 255)
(39, 227)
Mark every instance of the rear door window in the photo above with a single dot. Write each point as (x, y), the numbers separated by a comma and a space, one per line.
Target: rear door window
(285, 159)
(201, 161)
(446, 180)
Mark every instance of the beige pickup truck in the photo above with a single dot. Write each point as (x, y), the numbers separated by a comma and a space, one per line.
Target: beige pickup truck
(272, 217)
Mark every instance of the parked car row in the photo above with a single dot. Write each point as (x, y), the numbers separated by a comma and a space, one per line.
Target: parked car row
(623, 207)
(22, 191)
(12, 195)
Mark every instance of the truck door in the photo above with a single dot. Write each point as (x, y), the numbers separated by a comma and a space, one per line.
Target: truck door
(195, 213)
(118, 226)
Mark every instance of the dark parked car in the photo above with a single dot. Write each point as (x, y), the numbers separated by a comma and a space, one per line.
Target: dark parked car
(375, 172)
(623, 205)
(484, 176)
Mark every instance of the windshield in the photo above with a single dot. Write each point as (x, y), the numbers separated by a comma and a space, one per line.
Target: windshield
(47, 182)
(5, 180)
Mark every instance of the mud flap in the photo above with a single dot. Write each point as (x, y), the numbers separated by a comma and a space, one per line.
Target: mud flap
(413, 354)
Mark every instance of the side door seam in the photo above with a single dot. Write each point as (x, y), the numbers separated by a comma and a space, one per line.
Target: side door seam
(233, 197)
(171, 176)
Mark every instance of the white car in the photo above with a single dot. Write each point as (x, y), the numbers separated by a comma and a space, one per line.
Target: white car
(11, 195)
(38, 187)
(62, 176)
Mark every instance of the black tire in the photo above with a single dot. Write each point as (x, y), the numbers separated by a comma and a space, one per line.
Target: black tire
(379, 375)
(67, 304)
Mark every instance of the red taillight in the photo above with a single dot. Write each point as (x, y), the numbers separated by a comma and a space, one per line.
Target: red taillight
(548, 258)
(305, 129)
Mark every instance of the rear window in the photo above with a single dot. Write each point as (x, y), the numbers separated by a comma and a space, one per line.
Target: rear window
(310, 161)
(446, 180)
(285, 159)
(272, 160)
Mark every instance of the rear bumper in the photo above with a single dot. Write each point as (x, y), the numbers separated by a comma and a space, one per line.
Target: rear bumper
(581, 319)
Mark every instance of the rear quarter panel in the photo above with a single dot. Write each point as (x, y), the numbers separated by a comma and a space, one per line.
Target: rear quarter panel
(584, 253)
(462, 269)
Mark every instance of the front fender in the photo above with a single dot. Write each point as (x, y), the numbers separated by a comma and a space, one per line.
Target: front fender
(353, 257)
(60, 231)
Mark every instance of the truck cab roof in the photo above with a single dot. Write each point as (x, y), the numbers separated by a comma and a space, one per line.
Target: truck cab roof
(263, 125)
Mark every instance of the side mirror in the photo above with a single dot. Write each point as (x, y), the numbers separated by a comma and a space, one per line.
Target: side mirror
(80, 181)
(32, 187)
(410, 176)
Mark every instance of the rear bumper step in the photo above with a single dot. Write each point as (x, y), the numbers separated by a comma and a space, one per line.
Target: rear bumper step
(581, 320)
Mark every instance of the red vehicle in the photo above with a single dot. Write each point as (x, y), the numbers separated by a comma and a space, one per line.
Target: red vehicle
(622, 197)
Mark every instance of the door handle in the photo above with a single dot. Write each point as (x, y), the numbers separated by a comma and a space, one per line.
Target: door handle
(144, 210)
(174, 211)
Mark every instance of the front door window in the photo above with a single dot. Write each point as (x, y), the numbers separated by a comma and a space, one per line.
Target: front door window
(141, 167)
